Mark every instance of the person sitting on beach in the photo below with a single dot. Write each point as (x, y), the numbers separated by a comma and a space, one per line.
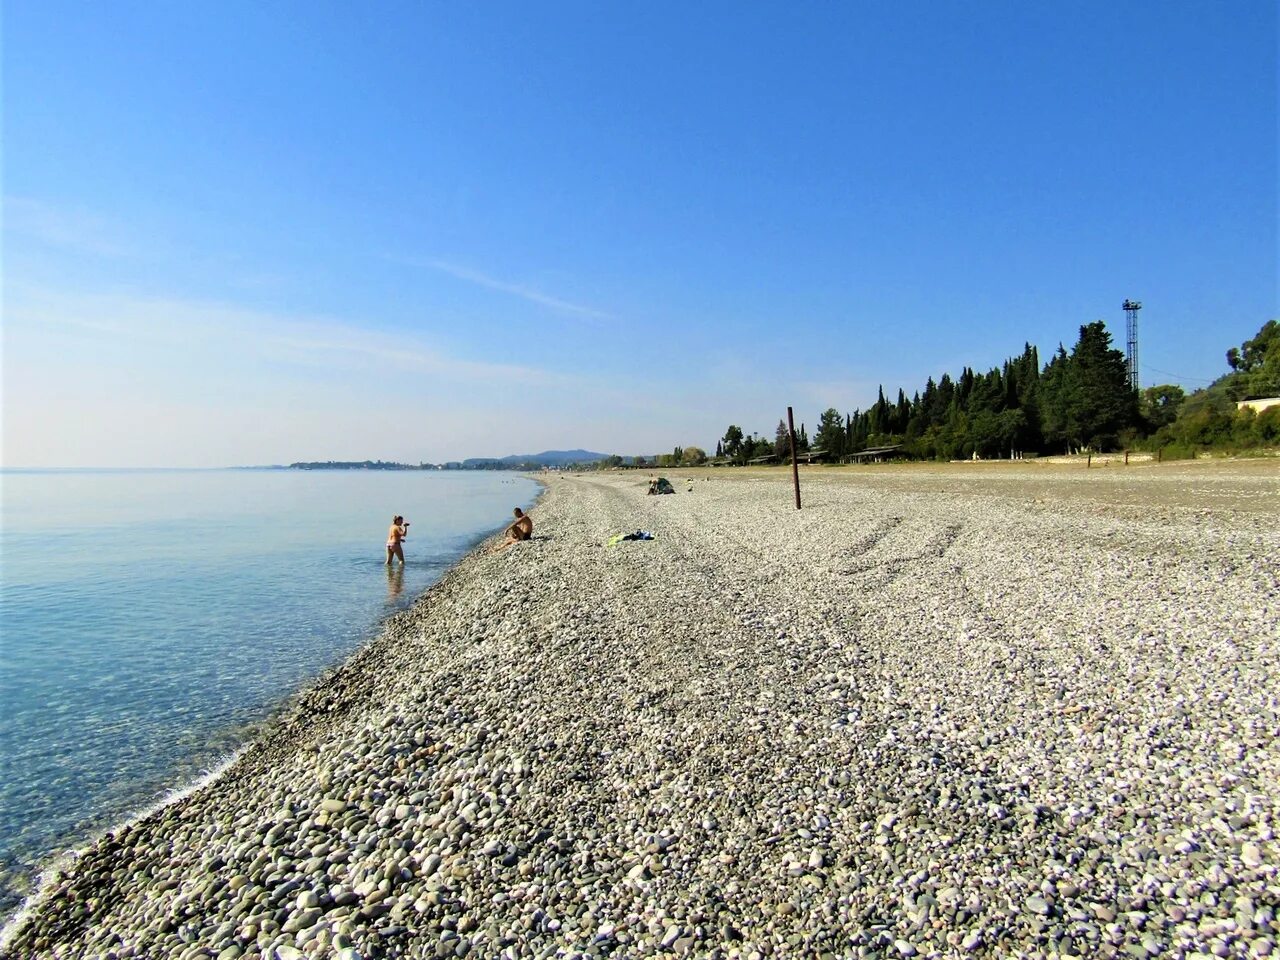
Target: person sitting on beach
(522, 529)
(395, 537)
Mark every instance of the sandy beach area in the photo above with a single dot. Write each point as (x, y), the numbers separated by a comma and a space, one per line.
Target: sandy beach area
(999, 710)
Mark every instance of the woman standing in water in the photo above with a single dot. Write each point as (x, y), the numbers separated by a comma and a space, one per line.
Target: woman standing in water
(395, 537)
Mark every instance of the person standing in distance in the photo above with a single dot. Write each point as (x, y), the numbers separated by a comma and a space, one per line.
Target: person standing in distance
(395, 537)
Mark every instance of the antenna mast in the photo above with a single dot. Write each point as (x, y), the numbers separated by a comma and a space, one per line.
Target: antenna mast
(1131, 308)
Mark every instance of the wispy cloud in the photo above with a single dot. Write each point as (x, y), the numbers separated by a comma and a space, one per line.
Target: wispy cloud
(515, 289)
(298, 340)
(69, 229)
(120, 379)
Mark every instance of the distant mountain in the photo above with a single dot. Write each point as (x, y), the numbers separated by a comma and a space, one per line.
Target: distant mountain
(548, 458)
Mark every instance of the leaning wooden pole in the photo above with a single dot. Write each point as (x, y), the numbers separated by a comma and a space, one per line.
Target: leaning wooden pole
(795, 464)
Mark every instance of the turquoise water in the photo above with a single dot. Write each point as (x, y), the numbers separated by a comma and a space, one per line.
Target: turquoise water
(147, 618)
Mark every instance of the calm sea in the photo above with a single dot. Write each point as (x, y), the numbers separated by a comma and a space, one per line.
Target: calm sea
(149, 618)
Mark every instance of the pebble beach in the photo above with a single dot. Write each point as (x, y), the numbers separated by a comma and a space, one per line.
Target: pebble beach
(1011, 710)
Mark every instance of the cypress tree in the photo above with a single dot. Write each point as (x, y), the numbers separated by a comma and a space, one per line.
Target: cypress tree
(782, 441)
(1100, 402)
(1054, 389)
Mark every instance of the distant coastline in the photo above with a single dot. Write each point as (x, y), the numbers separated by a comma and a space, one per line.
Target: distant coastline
(517, 462)
(359, 465)
(523, 461)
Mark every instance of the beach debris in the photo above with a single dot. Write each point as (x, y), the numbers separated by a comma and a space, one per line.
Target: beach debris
(618, 538)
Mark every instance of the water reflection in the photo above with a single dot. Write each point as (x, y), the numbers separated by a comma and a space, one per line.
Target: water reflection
(395, 581)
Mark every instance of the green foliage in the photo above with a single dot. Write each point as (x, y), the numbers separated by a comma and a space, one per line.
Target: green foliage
(831, 433)
(1255, 373)
(1209, 419)
(740, 448)
(1160, 405)
(1098, 400)
(1206, 428)
(1257, 367)
(1267, 427)
(1257, 361)
(1078, 399)
(1177, 451)
(731, 443)
(693, 456)
(1211, 428)
(753, 447)
(782, 442)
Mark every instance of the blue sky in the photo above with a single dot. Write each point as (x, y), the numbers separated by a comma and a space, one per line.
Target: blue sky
(255, 233)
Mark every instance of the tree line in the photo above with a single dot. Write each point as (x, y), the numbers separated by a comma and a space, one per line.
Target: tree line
(1208, 419)
(1079, 400)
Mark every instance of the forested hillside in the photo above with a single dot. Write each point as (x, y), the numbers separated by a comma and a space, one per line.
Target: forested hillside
(1079, 399)
(1209, 418)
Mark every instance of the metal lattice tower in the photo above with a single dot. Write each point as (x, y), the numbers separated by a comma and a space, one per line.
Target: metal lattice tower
(1131, 308)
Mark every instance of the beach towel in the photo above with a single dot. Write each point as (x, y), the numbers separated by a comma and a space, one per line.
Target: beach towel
(617, 538)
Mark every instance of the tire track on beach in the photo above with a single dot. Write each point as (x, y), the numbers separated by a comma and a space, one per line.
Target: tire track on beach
(734, 675)
(679, 682)
(849, 635)
(880, 573)
(840, 642)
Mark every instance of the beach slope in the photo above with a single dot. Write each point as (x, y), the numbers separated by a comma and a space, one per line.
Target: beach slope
(935, 712)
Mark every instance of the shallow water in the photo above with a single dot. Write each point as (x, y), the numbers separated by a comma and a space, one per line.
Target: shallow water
(148, 617)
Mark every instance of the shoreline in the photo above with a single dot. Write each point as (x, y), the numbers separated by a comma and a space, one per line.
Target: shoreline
(764, 733)
(46, 871)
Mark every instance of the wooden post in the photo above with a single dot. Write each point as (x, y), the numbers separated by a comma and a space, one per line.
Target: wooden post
(1126, 458)
(1159, 454)
(795, 464)
(1089, 463)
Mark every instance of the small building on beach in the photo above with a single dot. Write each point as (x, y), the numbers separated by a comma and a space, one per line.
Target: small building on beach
(813, 456)
(1258, 404)
(874, 454)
